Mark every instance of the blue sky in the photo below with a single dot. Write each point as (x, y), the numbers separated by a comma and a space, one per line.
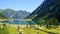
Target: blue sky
(28, 5)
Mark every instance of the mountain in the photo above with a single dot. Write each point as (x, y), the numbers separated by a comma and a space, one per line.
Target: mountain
(10, 13)
(49, 8)
(49, 11)
(2, 16)
(21, 14)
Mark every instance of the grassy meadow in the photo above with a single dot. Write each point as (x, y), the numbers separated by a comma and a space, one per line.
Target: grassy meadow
(14, 30)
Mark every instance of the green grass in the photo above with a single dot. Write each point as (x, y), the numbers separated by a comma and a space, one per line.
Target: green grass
(13, 30)
(8, 30)
(32, 31)
(52, 30)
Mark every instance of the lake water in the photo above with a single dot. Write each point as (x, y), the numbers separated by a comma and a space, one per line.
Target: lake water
(19, 22)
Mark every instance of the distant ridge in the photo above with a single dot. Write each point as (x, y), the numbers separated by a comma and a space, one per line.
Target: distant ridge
(10, 13)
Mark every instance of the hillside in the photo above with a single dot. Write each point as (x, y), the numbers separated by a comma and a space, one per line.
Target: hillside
(10, 13)
(2, 16)
(48, 11)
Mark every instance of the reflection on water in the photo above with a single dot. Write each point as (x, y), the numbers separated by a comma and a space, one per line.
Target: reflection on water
(18, 22)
